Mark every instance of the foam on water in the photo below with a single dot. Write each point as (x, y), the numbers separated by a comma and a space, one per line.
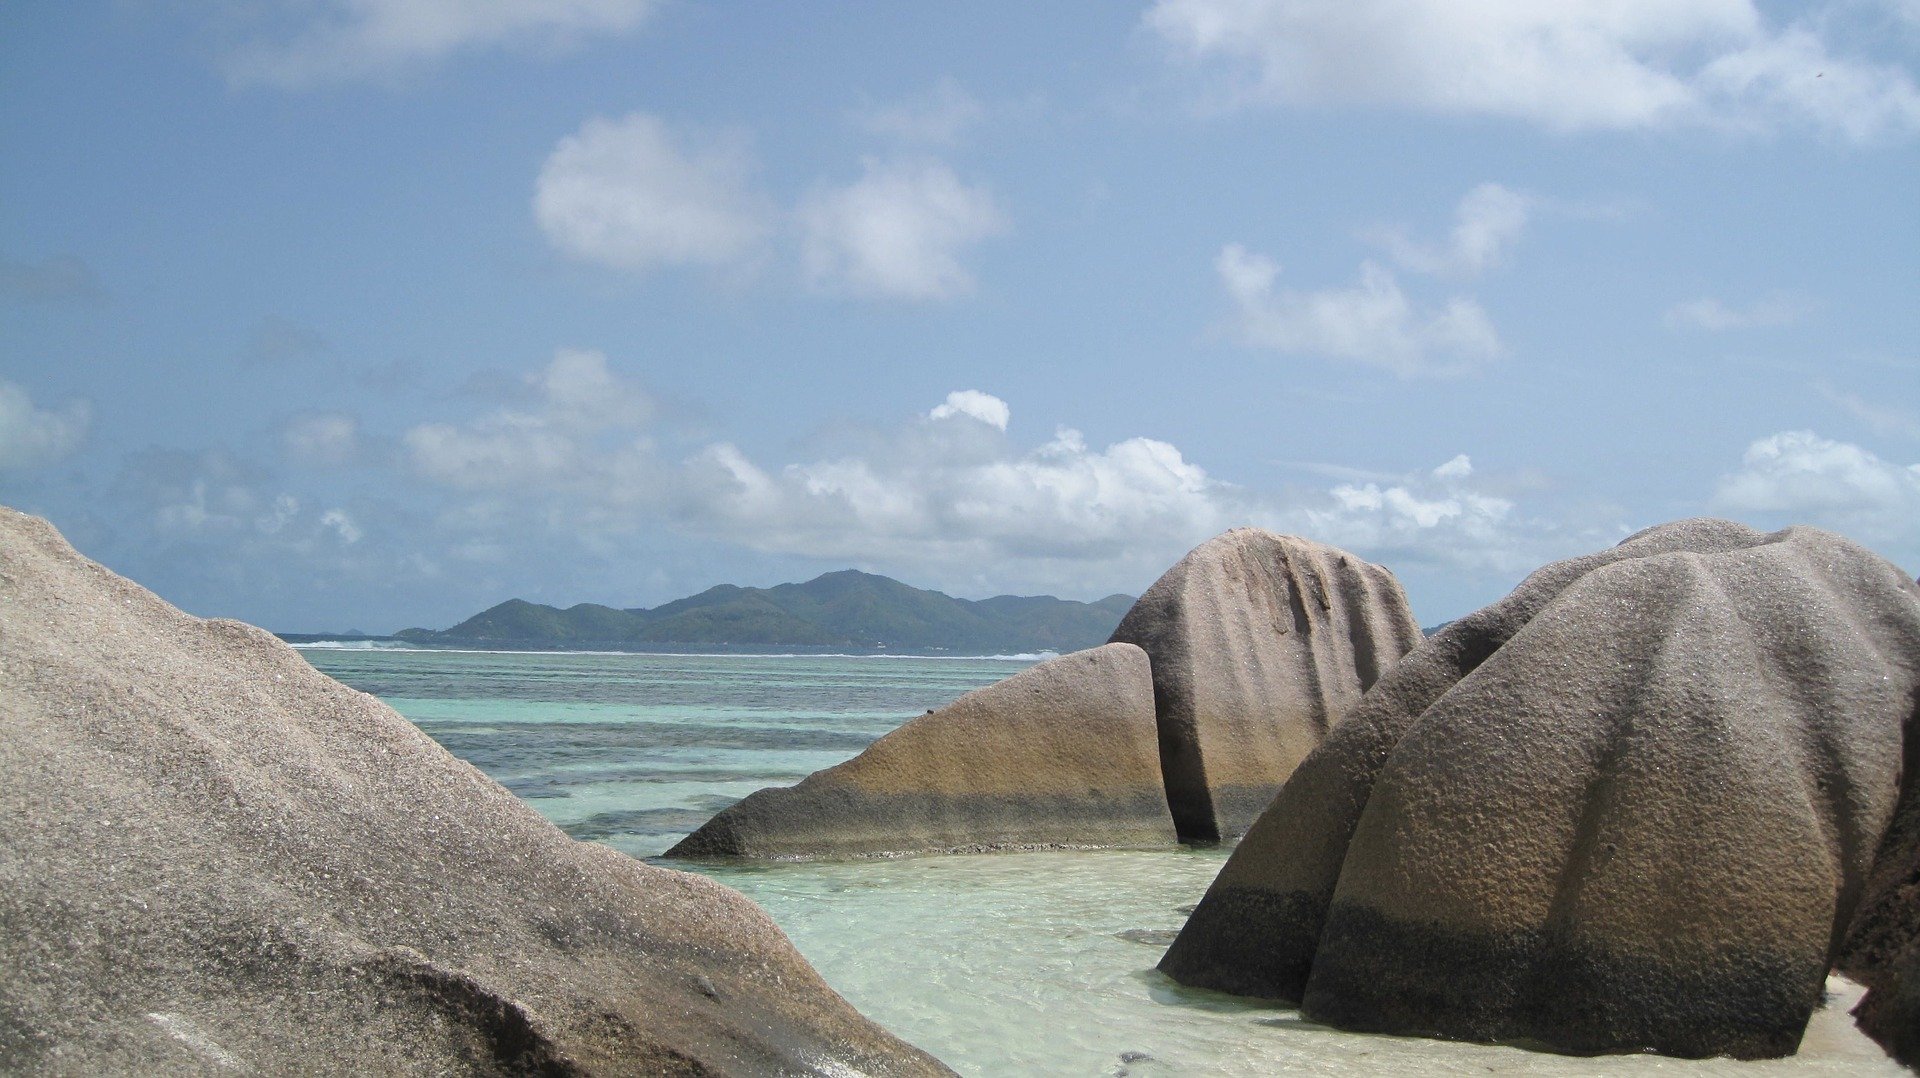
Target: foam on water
(352, 645)
(1030, 963)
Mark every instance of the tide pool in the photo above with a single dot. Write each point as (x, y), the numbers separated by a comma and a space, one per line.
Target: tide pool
(1007, 964)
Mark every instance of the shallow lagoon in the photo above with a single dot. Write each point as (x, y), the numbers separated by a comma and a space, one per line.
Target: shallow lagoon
(1033, 963)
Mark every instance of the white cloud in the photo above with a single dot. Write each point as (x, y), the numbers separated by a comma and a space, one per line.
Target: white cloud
(1717, 316)
(321, 438)
(583, 430)
(1442, 518)
(1487, 225)
(629, 194)
(933, 497)
(897, 232)
(31, 436)
(984, 407)
(342, 525)
(1372, 322)
(1572, 65)
(1801, 477)
(940, 493)
(1791, 75)
(937, 118)
(347, 39)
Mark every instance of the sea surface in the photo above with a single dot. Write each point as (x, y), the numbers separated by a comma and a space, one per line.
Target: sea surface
(1007, 964)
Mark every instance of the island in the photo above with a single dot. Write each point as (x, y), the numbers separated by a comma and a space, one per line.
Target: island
(848, 610)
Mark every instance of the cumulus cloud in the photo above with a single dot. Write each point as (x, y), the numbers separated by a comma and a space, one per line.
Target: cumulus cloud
(1573, 65)
(939, 492)
(1718, 316)
(631, 194)
(951, 496)
(1487, 224)
(1371, 323)
(321, 438)
(897, 232)
(1445, 518)
(984, 407)
(937, 118)
(1800, 477)
(347, 39)
(31, 436)
(584, 428)
(934, 496)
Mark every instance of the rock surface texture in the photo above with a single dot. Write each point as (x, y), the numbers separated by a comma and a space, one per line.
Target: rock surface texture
(1060, 754)
(1259, 643)
(1882, 949)
(1631, 806)
(214, 858)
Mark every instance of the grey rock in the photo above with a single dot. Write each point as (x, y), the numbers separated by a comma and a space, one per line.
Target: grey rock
(213, 858)
(1259, 644)
(1061, 754)
(1632, 806)
(1882, 947)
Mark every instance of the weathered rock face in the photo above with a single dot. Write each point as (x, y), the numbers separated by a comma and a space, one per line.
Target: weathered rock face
(1882, 948)
(213, 857)
(1890, 1011)
(1630, 806)
(1259, 644)
(1060, 754)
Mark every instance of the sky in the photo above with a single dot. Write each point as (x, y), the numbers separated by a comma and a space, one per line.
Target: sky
(343, 315)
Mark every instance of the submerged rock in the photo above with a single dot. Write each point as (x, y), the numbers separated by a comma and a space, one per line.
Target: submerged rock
(216, 858)
(1631, 806)
(1259, 644)
(1060, 754)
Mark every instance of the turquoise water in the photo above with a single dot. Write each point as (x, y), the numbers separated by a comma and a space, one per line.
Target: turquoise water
(1010, 964)
(637, 750)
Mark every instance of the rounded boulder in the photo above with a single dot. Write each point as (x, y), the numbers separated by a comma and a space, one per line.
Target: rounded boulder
(1062, 754)
(1259, 644)
(218, 860)
(1632, 806)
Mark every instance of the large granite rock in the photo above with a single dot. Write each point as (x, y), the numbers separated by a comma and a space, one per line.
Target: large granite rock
(1882, 947)
(1259, 644)
(1890, 1011)
(1631, 806)
(213, 859)
(1060, 754)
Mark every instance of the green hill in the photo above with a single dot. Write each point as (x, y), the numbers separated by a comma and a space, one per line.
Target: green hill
(847, 609)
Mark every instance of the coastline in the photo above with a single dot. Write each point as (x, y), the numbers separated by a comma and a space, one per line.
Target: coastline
(324, 642)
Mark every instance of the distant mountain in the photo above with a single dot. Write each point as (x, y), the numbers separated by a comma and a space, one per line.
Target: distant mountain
(848, 609)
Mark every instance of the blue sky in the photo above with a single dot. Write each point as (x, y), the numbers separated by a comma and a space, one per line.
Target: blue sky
(368, 313)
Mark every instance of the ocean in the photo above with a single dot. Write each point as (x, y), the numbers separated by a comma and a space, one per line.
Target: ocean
(999, 964)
